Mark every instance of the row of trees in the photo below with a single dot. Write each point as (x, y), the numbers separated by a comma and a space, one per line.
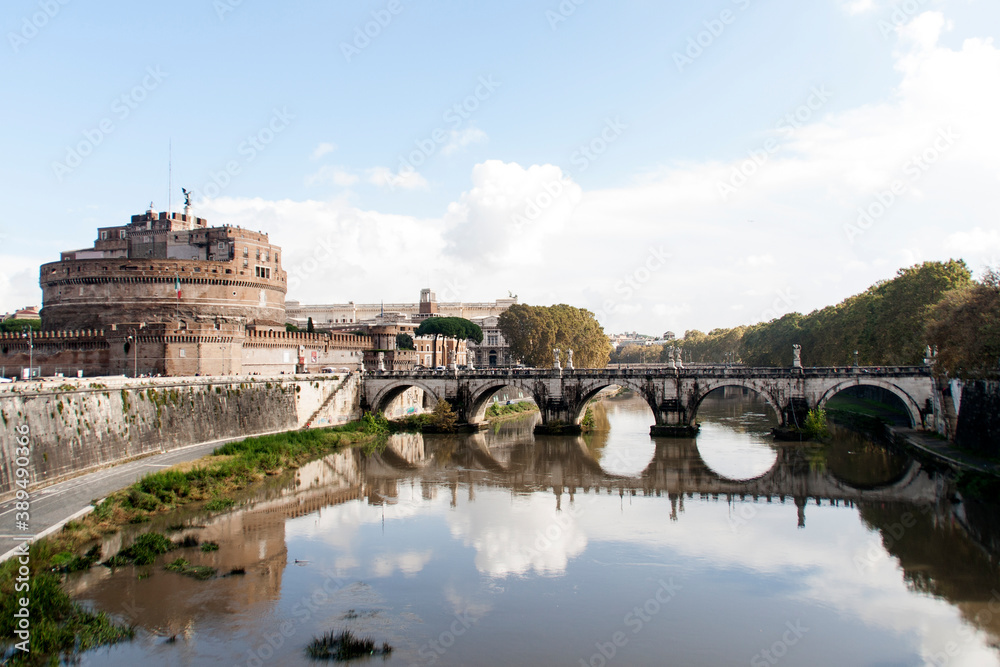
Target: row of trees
(891, 323)
(533, 332)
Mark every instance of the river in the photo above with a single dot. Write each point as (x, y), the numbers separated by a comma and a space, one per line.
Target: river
(502, 548)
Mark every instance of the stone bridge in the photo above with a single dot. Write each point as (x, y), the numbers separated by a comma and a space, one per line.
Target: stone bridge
(673, 394)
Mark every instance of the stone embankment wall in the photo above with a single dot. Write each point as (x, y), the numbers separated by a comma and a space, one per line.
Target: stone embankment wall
(76, 425)
(978, 423)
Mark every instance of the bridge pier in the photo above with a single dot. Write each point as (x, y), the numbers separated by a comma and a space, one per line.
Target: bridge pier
(558, 418)
(672, 420)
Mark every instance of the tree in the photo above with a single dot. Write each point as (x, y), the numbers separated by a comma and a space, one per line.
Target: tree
(534, 331)
(443, 418)
(965, 327)
(458, 328)
(309, 326)
(17, 326)
(404, 342)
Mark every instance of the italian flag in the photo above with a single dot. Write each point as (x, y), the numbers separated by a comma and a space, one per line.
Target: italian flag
(177, 286)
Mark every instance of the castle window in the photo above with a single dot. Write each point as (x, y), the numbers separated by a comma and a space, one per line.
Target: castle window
(276, 261)
(222, 246)
(246, 252)
(258, 254)
(245, 262)
(104, 236)
(121, 233)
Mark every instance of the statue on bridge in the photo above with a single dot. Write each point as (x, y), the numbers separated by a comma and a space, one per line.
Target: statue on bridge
(555, 356)
(796, 356)
(569, 359)
(680, 358)
(670, 357)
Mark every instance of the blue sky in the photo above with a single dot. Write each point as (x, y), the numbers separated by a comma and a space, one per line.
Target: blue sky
(625, 157)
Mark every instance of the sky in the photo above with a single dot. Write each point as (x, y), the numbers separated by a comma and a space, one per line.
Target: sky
(668, 166)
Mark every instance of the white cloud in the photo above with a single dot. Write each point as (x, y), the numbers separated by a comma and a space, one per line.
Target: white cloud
(404, 180)
(858, 6)
(323, 149)
(459, 139)
(335, 175)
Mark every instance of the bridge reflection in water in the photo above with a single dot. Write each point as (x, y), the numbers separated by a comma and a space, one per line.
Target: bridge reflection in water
(394, 531)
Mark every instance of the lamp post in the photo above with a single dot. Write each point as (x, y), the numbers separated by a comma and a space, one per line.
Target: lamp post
(134, 338)
(29, 332)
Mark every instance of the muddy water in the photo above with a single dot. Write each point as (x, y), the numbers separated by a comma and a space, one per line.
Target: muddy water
(501, 548)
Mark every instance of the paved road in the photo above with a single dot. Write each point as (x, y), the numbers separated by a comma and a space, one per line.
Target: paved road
(53, 506)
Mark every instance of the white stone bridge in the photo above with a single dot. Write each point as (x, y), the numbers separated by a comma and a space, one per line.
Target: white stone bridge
(673, 394)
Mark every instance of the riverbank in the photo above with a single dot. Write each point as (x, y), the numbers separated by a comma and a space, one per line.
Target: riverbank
(60, 627)
(881, 422)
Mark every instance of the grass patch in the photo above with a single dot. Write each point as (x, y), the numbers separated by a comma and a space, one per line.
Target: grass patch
(209, 546)
(143, 551)
(60, 628)
(219, 504)
(66, 561)
(344, 646)
(181, 566)
(502, 410)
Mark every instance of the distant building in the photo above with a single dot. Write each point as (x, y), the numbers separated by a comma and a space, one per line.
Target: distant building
(26, 313)
(428, 305)
(406, 318)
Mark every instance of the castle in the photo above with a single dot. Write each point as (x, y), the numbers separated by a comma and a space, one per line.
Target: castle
(168, 295)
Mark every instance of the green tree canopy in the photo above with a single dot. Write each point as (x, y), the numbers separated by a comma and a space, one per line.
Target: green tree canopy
(534, 331)
(887, 324)
(451, 327)
(18, 326)
(404, 342)
(965, 327)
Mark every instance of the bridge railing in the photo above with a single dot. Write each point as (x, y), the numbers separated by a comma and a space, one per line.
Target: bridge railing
(720, 371)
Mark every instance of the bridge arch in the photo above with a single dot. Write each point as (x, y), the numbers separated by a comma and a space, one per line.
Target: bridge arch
(912, 407)
(709, 387)
(480, 396)
(387, 394)
(590, 389)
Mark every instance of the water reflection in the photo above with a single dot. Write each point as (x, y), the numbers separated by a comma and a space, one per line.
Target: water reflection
(504, 548)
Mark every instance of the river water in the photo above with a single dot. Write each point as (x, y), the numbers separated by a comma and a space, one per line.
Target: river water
(502, 548)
